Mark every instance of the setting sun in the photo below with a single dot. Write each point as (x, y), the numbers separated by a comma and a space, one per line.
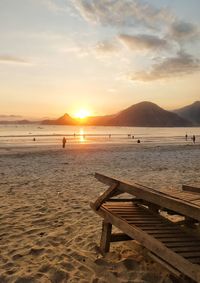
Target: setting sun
(82, 113)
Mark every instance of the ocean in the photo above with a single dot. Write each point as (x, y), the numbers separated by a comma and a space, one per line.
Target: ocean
(24, 135)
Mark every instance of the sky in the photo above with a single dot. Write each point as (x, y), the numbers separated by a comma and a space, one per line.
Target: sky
(60, 56)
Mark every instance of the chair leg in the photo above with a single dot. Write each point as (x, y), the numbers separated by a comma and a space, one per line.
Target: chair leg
(105, 237)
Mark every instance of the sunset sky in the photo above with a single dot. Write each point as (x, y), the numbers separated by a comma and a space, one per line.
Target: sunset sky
(60, 56)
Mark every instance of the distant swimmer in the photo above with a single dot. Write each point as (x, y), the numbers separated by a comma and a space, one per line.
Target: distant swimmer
(138, 141)
(34, 139)
(186, 137)
(193, 139)
(63, 142)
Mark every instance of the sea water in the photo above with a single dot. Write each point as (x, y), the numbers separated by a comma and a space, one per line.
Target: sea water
(25, 135)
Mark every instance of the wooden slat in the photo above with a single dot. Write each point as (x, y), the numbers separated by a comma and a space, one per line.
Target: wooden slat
(184, 196)
(132, 213)
(162, 229)
(163, 232)
(120, 205)
(156, 226)
(138, 217)
(191, 189)
(176, 240)
(177, 237)
(182, 244)
(195, 260)
(197, 202)
(112, 191)
(190, 254)
(128, 200)
(186, 249)
(117, 237)
(144, 222)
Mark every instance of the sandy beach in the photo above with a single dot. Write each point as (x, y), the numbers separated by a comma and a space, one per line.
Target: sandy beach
(48, 233)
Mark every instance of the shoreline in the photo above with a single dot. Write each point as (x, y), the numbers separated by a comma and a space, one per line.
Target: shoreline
(10, 149)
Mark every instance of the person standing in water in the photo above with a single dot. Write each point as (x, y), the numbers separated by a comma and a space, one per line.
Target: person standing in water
(63, 142)
(193, 139)
(186, 137)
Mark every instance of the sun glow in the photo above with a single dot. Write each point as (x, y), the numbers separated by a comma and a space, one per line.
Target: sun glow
(82, 113)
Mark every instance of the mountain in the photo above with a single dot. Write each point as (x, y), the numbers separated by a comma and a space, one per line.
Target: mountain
(190, 112)
(147, 114)
(143, 114)
(63, 120)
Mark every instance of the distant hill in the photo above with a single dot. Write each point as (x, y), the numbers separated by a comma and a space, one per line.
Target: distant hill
(63, 120)
(17, 122)
(147, 114)
(190, 112)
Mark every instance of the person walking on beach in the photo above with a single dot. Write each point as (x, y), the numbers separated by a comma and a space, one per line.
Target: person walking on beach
(193, 139)
(63, 142)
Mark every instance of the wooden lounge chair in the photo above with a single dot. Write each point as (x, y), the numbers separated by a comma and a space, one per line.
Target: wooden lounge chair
(138, 218)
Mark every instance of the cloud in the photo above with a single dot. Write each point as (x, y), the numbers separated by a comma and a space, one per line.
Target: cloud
(181, 30)
(106, 47)
(143, 41)
(121, 13)
(158, 30)
(53, 6)
(180, 65)
(12, 59)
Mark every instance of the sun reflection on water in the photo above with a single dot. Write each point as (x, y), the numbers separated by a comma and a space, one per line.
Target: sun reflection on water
(81, 135)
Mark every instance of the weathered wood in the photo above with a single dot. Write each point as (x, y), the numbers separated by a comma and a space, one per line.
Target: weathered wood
(118, 237)
(185, 196)
(174, 271)
(186, 249)
(190, 254)
(183, 244)
(159, 198)
(117, 200)
(197, 202)
(189, 222)
(191, 189)
(140, 220)
(195, 260)
(152, 244)
(112, 191)
(105, 237)
(154, 207)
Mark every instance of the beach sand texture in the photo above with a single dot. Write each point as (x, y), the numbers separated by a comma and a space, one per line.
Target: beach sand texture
(48, 233)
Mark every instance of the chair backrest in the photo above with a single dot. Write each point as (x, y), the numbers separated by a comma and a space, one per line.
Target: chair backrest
(162, 199)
